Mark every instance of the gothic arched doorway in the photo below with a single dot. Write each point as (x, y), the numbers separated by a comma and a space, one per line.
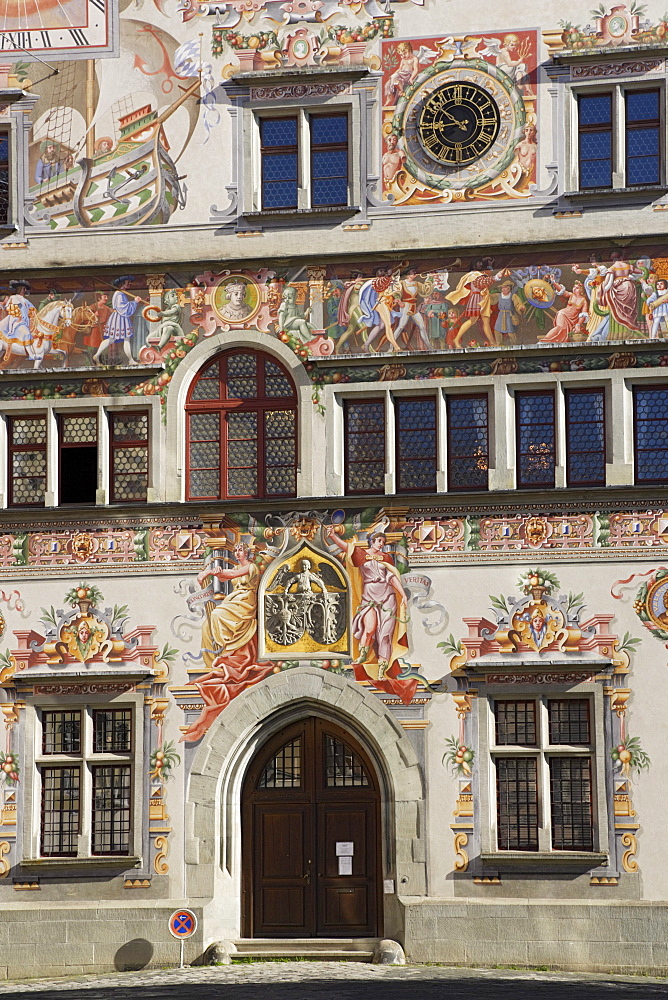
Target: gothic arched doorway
(311, 836)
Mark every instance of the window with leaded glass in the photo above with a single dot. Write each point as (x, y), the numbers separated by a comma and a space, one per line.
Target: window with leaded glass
(129, 457)
(536, 439)
(651, 434)
(468, 442)
(111, 810)
(304, 161)
(78, 458)
(643, 137)
(416, 437)
(242, 429)
(61, 813)
(4, 177)
(85, 769)
(280, 162)
(585, 437)
(27, 461)
(595, 140)
(343, 767)
(543, 761)
(364, 445)
(284, 769)
(329, 160)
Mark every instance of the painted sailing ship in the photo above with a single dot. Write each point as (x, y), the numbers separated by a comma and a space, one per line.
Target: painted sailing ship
(135, 182)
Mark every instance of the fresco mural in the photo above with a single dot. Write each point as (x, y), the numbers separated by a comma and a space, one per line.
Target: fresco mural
(388, 308)
(468, 66)
(609, 26)
(311, 588)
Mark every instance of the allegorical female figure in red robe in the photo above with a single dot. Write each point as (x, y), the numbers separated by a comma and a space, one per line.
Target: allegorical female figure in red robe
(229, 641)
(379, 624)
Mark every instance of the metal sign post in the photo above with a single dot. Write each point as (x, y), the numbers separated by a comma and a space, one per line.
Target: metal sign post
(182, 924)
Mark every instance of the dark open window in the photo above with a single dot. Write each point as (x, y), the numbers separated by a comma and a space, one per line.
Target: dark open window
(595, 140)
(329, 160)
(78, 458)
(415, 419)
(4, 177)
(365, 445)
(651, 434)
(242, 429)
(585, 437)
(129, 456)
(280, 162)
(27, 461)
(536, 439)
(468, 442)
(643, 157)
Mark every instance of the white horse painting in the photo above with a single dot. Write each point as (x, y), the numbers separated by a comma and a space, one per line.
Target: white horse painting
(47, 326)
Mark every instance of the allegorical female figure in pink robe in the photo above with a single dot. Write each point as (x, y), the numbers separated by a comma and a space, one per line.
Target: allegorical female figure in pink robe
(229, 642)
(619, 295)
(567, 318)
(379, 625)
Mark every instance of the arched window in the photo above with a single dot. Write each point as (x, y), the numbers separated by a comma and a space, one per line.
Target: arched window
(242, 429)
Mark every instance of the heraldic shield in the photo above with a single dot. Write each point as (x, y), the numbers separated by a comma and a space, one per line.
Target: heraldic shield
(305, 607)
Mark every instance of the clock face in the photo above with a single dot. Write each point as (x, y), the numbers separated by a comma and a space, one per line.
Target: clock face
(59, 29)
(458, 123)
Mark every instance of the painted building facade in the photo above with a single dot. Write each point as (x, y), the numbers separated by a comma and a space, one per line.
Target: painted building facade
(332, 405)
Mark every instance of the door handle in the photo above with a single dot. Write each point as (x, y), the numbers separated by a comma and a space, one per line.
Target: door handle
(307, 878)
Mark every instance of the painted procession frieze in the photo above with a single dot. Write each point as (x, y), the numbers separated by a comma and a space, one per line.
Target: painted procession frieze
(375, 310)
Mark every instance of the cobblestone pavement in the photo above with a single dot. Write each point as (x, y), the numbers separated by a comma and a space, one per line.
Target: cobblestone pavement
(339, 981)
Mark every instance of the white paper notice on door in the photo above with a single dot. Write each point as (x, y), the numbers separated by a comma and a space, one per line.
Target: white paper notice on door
(345, 848)
(345, 864)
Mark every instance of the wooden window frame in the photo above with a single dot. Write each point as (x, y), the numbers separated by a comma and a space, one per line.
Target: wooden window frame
(119, 446)
(397, 442)
(260, 404)
(327, 147)
(15, 448)
(568, 394)
(636, 451)
(654, 123)
(349, 491)
(597, 127)
(266, 152)
(521, 394)
(450, 397)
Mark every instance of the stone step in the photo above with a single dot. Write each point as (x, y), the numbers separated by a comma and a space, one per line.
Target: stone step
(316, 949)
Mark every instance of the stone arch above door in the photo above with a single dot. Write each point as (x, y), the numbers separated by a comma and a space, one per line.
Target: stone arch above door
(212, 836)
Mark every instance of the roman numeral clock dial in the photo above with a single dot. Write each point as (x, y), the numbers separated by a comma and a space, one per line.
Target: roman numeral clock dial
(459, 127)
(58, 29)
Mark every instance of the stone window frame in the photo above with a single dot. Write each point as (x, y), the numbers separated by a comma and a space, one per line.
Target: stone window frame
(544, 858)
(34, 760)
(255, 111)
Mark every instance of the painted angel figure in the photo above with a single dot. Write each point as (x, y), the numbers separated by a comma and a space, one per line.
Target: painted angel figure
(511, 57)
(379, 624)
(407, 70)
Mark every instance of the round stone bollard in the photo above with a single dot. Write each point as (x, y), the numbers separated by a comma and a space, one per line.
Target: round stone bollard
(218, 953)
(389, 952)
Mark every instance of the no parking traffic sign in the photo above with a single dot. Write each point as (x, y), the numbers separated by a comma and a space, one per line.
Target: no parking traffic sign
(182, 923)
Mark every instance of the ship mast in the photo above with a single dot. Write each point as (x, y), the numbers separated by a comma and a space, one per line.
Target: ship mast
(90, 108)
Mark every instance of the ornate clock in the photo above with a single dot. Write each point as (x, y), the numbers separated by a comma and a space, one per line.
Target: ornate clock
(59, 29)
(459, 123)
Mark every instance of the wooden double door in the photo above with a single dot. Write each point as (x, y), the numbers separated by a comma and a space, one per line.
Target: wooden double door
(310, 827)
